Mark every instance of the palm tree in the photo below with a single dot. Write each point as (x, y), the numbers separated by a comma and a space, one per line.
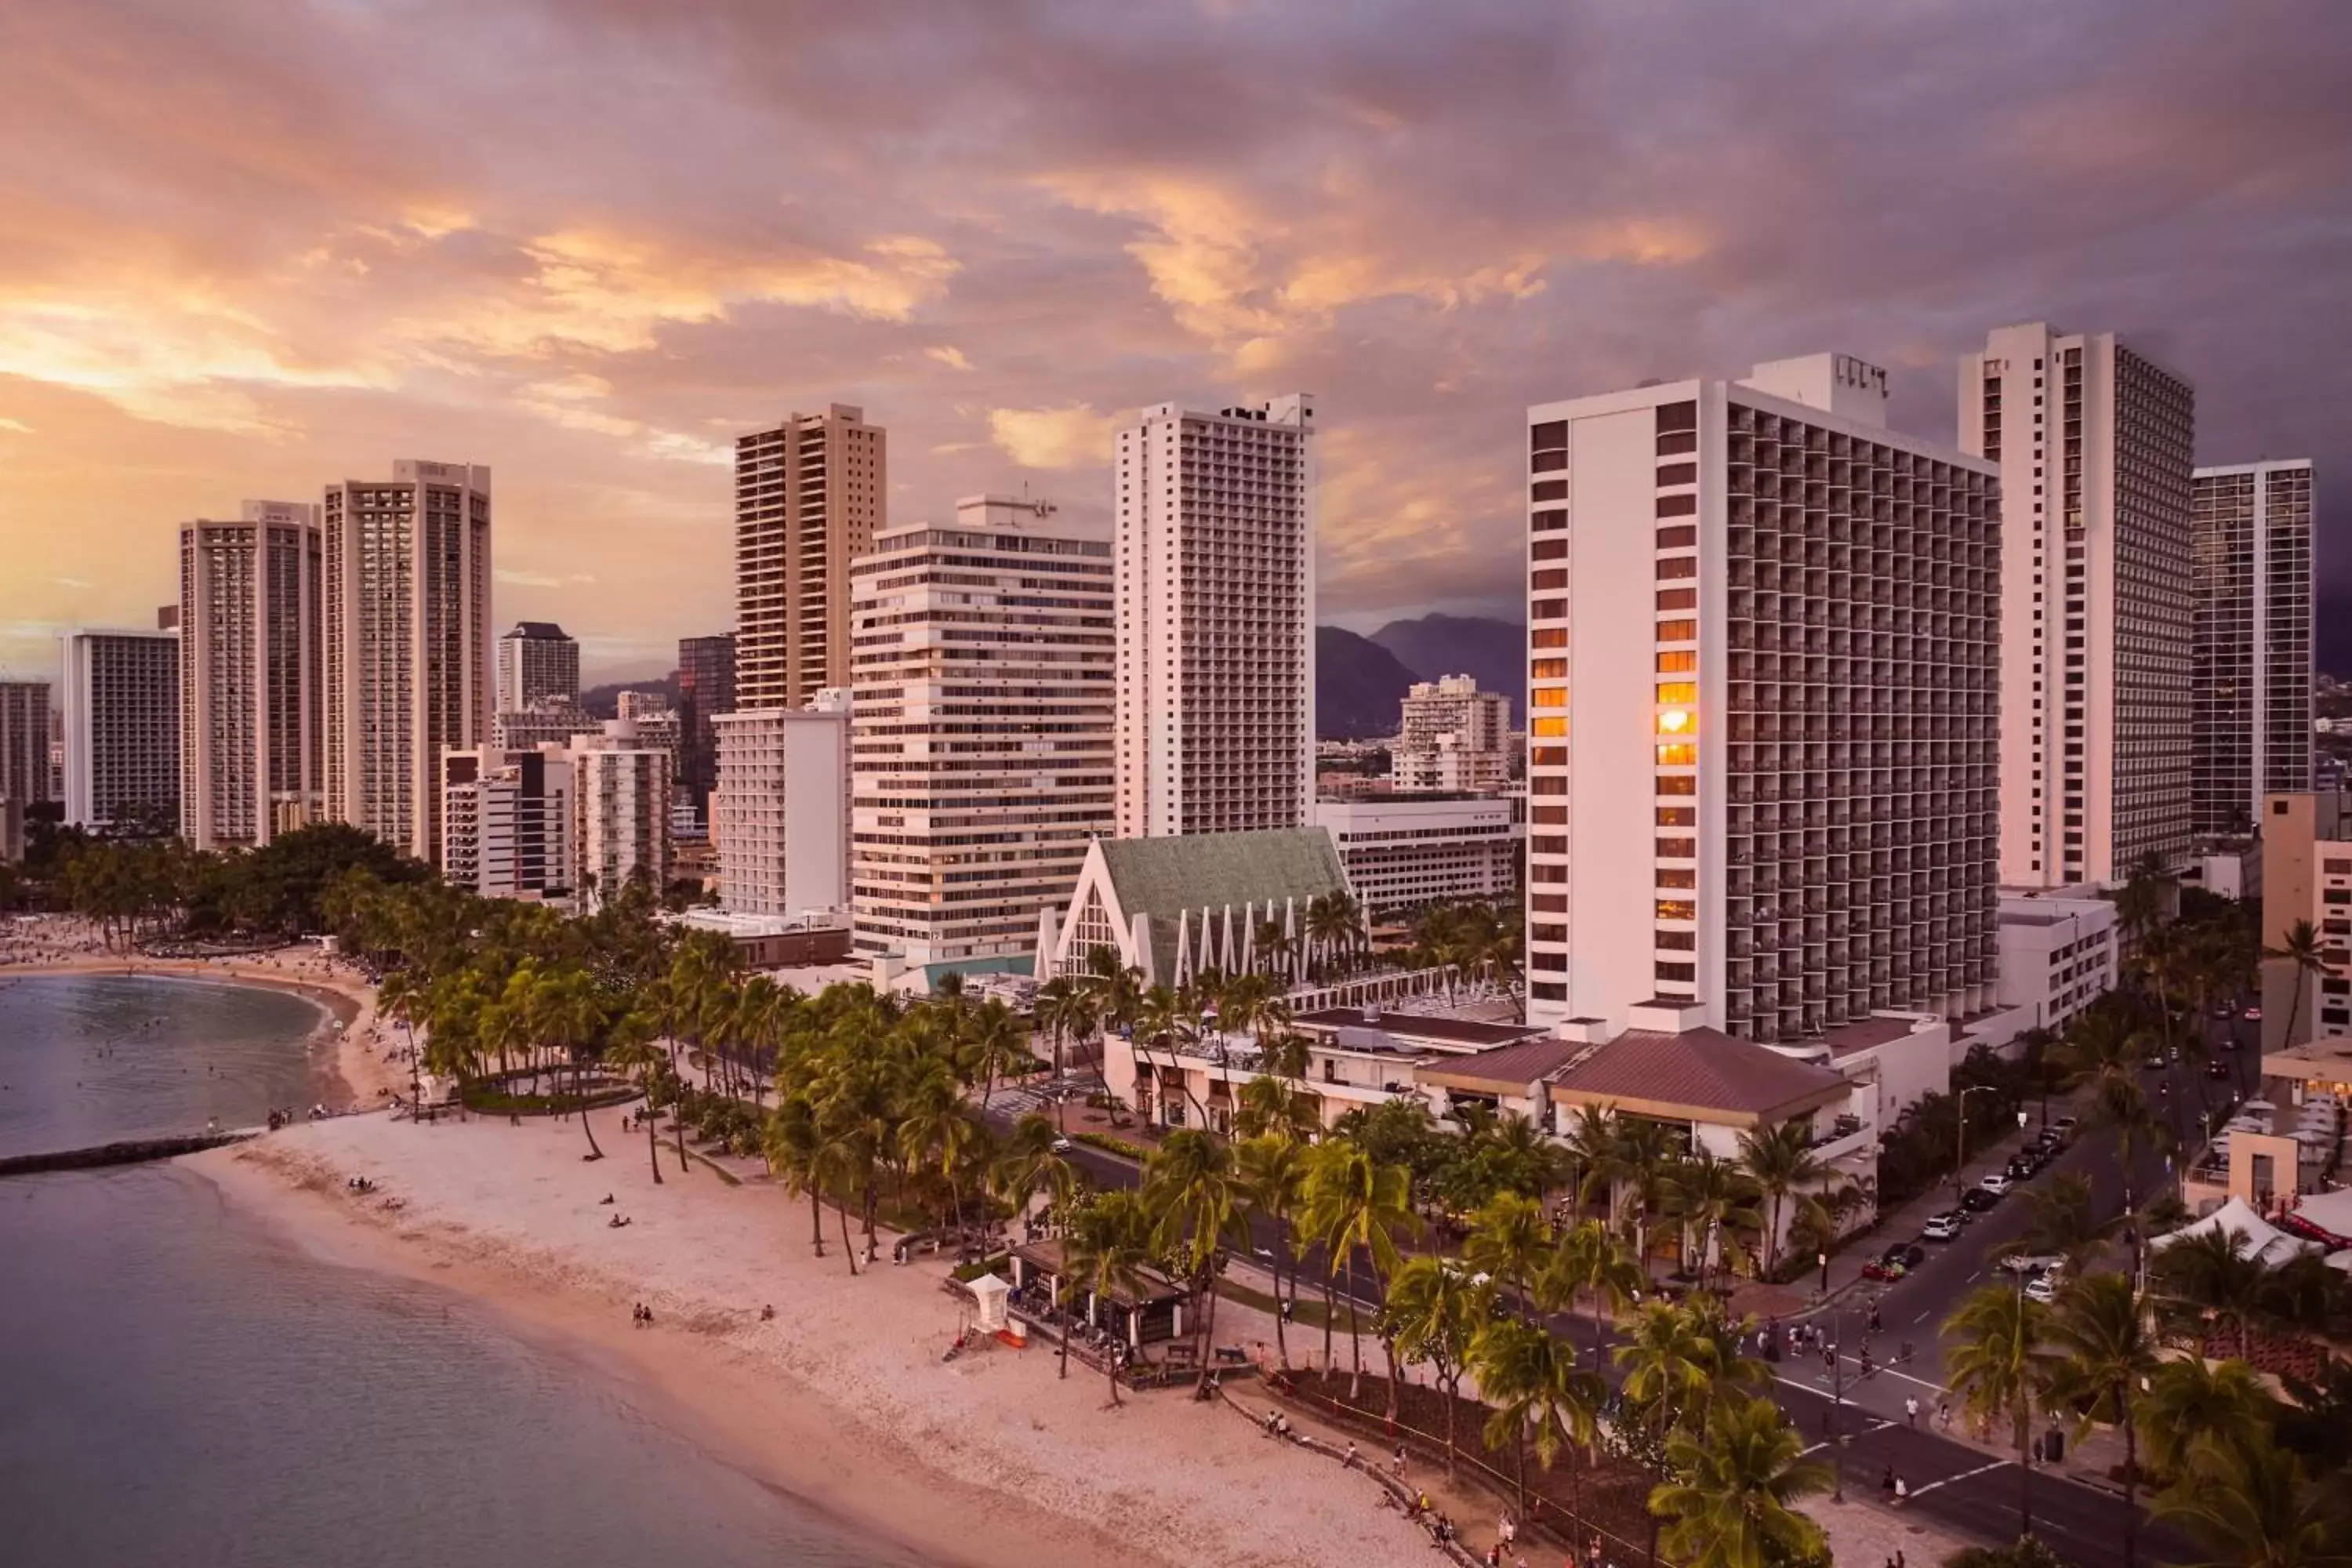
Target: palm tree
(566, 1015)
(2301, 948)
(1273, 1182)
(2189, 1397)
(1057, 1011)
(1531, 1377)
(1635, 1166)
(1732, 1505)
(1352, 1200)
(2204, 1280)
(1434, 1312)
(1196, 1195)
(1028, 1164)
(1509, 1239)
(1999, 1360)
(1714, 1198)
(1677, 1358)
(1105, 1255)
(633, 1051)
(2105, 1352)
(2252, 1506)
(938, 1126)
(1586, 1260)
(1780, 1162)
(808, 1157)
(999, 1043)
(1590, 1134)
(2064, 1221)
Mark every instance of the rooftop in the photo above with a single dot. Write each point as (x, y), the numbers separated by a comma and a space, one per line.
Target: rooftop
(537, 630)
(1513, 1066)
(1420, 1025)
(1863, 1033)
(1699, 1074)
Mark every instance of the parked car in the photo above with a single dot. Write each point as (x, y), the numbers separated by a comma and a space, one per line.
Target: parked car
(2031, 1263)
(1895, 1261)
(1997, 1183)
(1943, 1227)
(2043, 1286)
(2023, 1167)
(2217, 1069)
(2066, 1125)
(2252, 1014)
(1980, 1198)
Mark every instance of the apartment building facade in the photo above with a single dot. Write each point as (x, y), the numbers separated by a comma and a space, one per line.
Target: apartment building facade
(1762, 744)
(1216, 618)
(982, 737)
(780, 820)
(25, 774)
(809, 495)
(622, 784)
(252, 684)
(1404, 854)
(406, 638)
(506, 822)
(2095, 443)
(536, 663)
(706, 688)
(2253, 711)
(1452, 738)
(120, 707)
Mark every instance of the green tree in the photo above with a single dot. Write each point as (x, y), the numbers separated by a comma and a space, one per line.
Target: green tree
(1539, 1394)
(2252, 1505)
(1196, 1195)
(1435, 1311)
(2301, 949)
(1780, 1162)
(1733, 1501)
(1998, 1356)
(1509, 1239)
(2105, 1353)
(1105, 1254)
(2189, 1397)
(1352, 1200)
(1274, 1184)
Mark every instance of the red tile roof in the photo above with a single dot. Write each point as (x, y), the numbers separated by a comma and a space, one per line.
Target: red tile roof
(1701, 1070)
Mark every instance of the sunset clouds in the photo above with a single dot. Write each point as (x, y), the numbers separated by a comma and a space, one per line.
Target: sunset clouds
(246, 247)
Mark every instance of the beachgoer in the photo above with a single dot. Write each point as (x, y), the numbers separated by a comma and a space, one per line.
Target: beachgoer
(1901, 1490)
(1348, 1463)
(1399, 1465)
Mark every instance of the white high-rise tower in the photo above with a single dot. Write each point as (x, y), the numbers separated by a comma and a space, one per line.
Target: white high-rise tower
(406, 583)
(1761, 736)
(2094, 442)
(1216, 619)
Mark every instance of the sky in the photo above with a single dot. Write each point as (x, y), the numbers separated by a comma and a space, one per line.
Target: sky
(249, 248)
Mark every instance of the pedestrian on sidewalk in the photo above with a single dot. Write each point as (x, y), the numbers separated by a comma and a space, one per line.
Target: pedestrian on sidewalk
(1399, 1465)
(1944, 1413)
(1911, 1411)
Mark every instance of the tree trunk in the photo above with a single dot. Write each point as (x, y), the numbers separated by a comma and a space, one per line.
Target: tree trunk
(2131, 1484)
(1388, 1350)
(1281, 1323)
(678, 1111)
(847, 1249)
(580, 1093)
(1330, 1313)
(816, 1213)
(1355, 1351)
(1449, 1387)
(653, 1144)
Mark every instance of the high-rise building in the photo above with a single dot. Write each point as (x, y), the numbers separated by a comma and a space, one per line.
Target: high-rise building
(506, 822)
(705, 687)
(2094, 442)
(24, 741)
(1452, 739)
(1216, 619)
(536, 663)
(121, 703)
(780, 822)
(622, 823)
(1766, 803)
(809, 495)
(545, 724)
(2253, 643)
(252, 690)
(981, 729)
(407, 639)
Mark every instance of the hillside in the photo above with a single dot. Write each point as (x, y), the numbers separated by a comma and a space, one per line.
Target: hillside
(1358, 685)
(1492, 651)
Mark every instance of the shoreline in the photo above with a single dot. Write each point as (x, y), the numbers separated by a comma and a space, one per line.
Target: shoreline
(842, 1400)
(365, 1080)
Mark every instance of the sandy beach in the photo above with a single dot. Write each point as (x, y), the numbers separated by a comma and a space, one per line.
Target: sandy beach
(842, 1397)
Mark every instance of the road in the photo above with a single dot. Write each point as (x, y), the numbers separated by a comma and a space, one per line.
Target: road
(1959, 1485)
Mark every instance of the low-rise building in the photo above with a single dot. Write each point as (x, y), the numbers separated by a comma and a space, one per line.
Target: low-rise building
(507, 826)
(624, 788)
(780, 819)
(2058, 954)
(1404, 853)
(2307, 848)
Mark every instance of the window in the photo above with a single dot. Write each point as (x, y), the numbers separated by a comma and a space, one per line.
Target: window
(1675, 442)
(1549, 991)
(1677, 848)
(1551, 578)
(1548, 933)
(1677, 878)
(1549, 489)
(1673, 566)
(1678, 817)
(1677, 506)
(1549, 903)
(1679, 754)
(1677, 971)
(1549, 757)
(1677, 473)
(1548, 462)
(1550, 436)
(1677, 784)
(1678, 536)
(1677, 417)
(1678, 909)
(1677, 660)
(1552, 724)
(1548, 637)
(1546, 522)
(1678, 598)
(1548, 669)
(1548, 844)
(1677, 691)
(1678, 940)
(1676, 631)
(1549, 697)
(1551, 610)
(1551, 549)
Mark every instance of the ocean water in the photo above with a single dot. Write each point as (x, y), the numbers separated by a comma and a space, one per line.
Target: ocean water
(181, 1386)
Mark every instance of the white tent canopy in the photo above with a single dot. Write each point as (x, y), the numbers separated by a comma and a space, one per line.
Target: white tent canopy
(2254, 1236)
(2330, 1212)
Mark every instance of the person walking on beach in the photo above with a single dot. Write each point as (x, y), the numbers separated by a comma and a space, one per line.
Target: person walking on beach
(1399, 1465)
